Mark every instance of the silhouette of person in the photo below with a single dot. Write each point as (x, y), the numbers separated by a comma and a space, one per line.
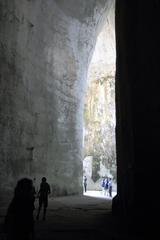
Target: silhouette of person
(85, 183)
(103, 185)
(19, 220)
(106, 185)
(43, 197)
(110, 187)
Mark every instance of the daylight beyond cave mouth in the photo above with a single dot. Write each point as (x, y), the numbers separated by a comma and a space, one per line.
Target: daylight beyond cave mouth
(99, 111)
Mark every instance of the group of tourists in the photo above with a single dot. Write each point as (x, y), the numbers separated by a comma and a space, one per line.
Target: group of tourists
(106, 185)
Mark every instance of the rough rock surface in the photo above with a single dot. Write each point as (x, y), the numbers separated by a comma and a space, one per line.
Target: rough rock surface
(45, 50)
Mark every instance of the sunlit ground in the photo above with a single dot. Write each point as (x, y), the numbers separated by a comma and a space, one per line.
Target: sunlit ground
(99, 194)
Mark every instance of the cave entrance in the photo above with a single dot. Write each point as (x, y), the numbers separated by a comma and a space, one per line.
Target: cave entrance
(99, 114)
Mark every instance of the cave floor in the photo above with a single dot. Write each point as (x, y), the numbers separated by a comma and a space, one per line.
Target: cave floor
(79, 217)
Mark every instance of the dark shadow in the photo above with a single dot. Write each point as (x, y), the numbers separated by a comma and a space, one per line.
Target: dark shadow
(19, 221)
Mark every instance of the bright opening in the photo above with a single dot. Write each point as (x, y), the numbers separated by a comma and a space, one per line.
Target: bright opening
(99, 116)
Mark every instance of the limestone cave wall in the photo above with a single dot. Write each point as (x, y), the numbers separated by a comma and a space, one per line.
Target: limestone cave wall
(45, 49)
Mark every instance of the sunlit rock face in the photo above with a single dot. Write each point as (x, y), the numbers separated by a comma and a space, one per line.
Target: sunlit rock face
(99, 114)
(45, 51)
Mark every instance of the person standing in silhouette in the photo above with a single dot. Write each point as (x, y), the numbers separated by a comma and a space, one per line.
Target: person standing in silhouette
(110, 187)
(19, 220)
(103, 185)
(85, 183)
(106, 185)
(43, 193)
